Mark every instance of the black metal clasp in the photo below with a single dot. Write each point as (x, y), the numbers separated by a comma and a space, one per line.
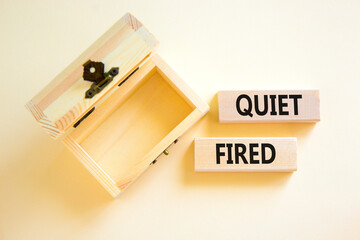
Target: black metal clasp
(94, 72)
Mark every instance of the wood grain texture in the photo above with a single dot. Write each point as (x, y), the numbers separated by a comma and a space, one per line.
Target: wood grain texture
(269, 106)
(135, 124)
(92, 167)
(60, 104)
(212, 154)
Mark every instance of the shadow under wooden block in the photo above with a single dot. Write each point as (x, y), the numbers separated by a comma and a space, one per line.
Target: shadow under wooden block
(44, 171)
(67, 180)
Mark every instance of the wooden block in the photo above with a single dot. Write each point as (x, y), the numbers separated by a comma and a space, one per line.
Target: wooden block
(269, 106)
(245, 154)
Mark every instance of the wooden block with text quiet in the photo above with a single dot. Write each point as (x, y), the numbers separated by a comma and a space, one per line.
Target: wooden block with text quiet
(269, 106)
(245, 154)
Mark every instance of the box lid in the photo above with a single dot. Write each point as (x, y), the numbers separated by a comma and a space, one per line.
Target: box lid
(62, 102)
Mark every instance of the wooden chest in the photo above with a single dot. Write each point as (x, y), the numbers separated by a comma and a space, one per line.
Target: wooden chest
(118, 106)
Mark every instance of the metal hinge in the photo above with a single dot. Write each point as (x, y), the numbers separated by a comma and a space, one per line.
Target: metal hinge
(128, 77)
(165, 152)
(100, 66)
(83, 118)
(94, 72)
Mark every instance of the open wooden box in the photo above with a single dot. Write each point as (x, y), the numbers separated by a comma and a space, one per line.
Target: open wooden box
(137, 116)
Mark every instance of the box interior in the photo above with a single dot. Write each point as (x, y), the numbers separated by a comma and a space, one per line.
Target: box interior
(126, 127)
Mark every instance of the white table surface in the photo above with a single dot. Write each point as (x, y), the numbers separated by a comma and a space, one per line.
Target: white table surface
(46, 193)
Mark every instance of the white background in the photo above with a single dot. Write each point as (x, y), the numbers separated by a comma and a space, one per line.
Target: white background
(46, 193)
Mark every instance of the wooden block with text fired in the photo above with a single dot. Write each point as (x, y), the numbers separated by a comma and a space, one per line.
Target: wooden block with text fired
(245, 154)
(269, 106)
